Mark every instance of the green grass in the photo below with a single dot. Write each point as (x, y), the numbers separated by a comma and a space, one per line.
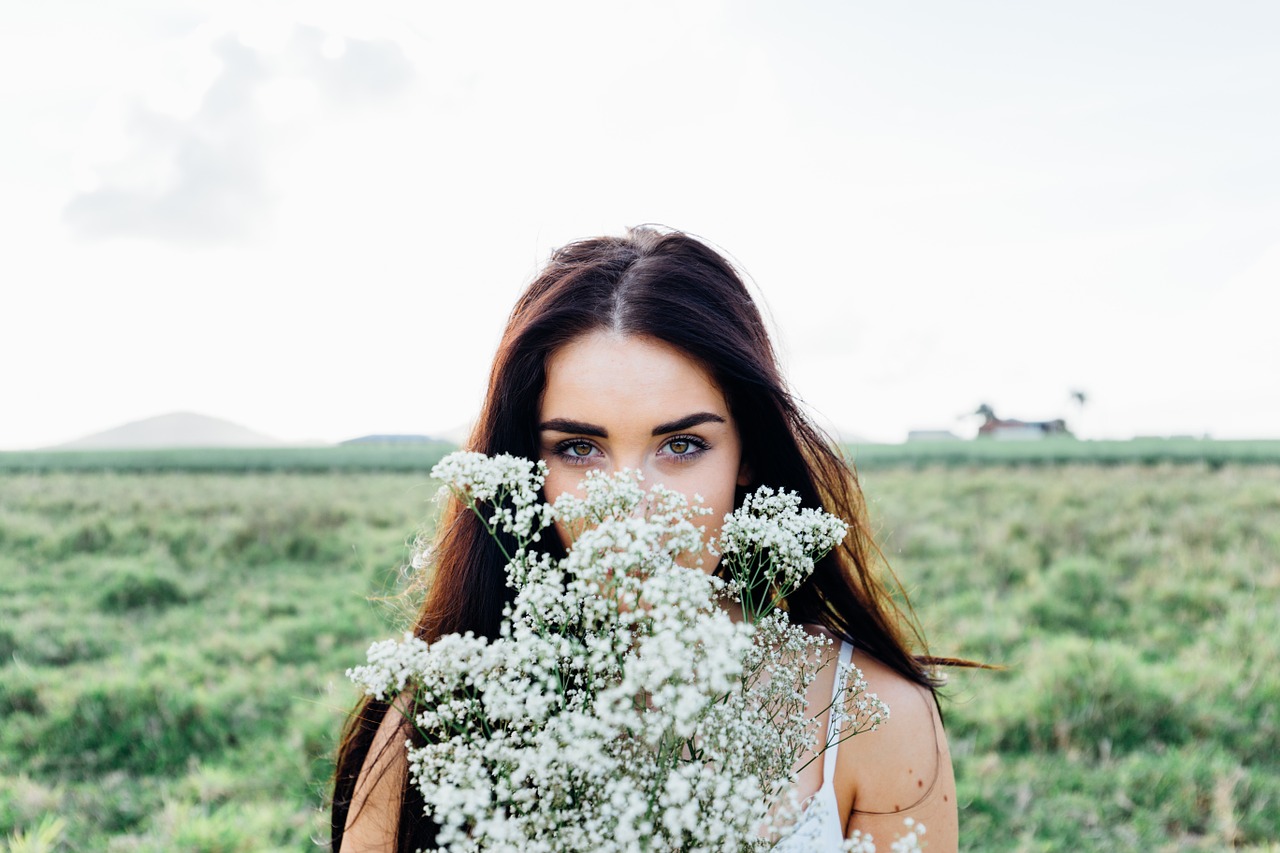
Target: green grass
(175, 647)
(1065, 451)
(172, 648)
(1138, 612)
(347, 457)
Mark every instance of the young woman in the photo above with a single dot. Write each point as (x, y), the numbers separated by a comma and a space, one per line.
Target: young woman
(647, 352)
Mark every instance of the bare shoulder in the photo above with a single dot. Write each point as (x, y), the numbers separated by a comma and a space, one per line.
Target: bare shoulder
(901, 770)
(374, 816)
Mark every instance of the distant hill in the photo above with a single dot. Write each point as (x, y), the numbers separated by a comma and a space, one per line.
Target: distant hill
(178, 429)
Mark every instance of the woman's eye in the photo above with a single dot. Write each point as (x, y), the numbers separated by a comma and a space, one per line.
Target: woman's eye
(576, 452)
(685, 447)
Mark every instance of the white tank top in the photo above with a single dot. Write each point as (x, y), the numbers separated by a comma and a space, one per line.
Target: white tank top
(819, 828)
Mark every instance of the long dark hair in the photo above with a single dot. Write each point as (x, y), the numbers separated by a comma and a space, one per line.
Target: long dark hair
(671, 287)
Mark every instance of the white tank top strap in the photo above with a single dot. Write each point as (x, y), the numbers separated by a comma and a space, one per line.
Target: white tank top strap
(819, 828)
(833, 718)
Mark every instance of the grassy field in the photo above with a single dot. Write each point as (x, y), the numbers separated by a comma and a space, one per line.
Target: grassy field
(421, 457)
(360, 458)
(1065, 451)
(1138, 611)
(172, 647)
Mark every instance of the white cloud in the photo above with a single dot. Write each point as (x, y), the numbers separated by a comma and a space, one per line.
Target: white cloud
(202, 176)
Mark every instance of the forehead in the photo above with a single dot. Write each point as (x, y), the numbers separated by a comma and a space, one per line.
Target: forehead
(614, 377)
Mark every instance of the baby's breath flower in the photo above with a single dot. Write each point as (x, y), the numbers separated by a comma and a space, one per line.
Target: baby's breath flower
(771, 539)
(507, 486)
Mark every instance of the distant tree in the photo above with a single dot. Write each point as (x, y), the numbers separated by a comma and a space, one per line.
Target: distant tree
(1080, 398)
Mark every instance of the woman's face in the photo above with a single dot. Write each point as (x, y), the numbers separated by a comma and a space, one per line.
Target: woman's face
(614, 401)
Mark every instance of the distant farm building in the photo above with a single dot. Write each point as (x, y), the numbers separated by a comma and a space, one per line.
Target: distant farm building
(1016, 430)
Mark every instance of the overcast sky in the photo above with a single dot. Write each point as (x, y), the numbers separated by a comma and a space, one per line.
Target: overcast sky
(313, 218)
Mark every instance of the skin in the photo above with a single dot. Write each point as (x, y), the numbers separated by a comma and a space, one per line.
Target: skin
(374, 815)
(615, 402)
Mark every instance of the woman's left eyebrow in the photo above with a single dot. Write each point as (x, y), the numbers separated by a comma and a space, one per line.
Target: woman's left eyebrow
(687, 422)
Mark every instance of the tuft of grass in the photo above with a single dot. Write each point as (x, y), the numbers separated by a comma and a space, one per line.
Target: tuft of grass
(1079, 595)
(8, 645)
(133, 591)
(44, 837)
(1085, 698)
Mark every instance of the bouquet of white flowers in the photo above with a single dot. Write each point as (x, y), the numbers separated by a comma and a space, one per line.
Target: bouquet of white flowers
(622, 708)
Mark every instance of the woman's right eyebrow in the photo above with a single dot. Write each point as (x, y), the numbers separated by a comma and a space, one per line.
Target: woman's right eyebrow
(579, 427)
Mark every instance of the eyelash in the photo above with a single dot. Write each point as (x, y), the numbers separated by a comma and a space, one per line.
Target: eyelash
(699, 447)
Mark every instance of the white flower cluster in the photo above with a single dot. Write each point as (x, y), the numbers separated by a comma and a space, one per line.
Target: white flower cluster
(502, 490)
(860, 842)
(771, 539)
(621, 708)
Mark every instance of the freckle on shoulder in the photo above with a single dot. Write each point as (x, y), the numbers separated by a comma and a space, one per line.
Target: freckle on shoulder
(908, 744)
